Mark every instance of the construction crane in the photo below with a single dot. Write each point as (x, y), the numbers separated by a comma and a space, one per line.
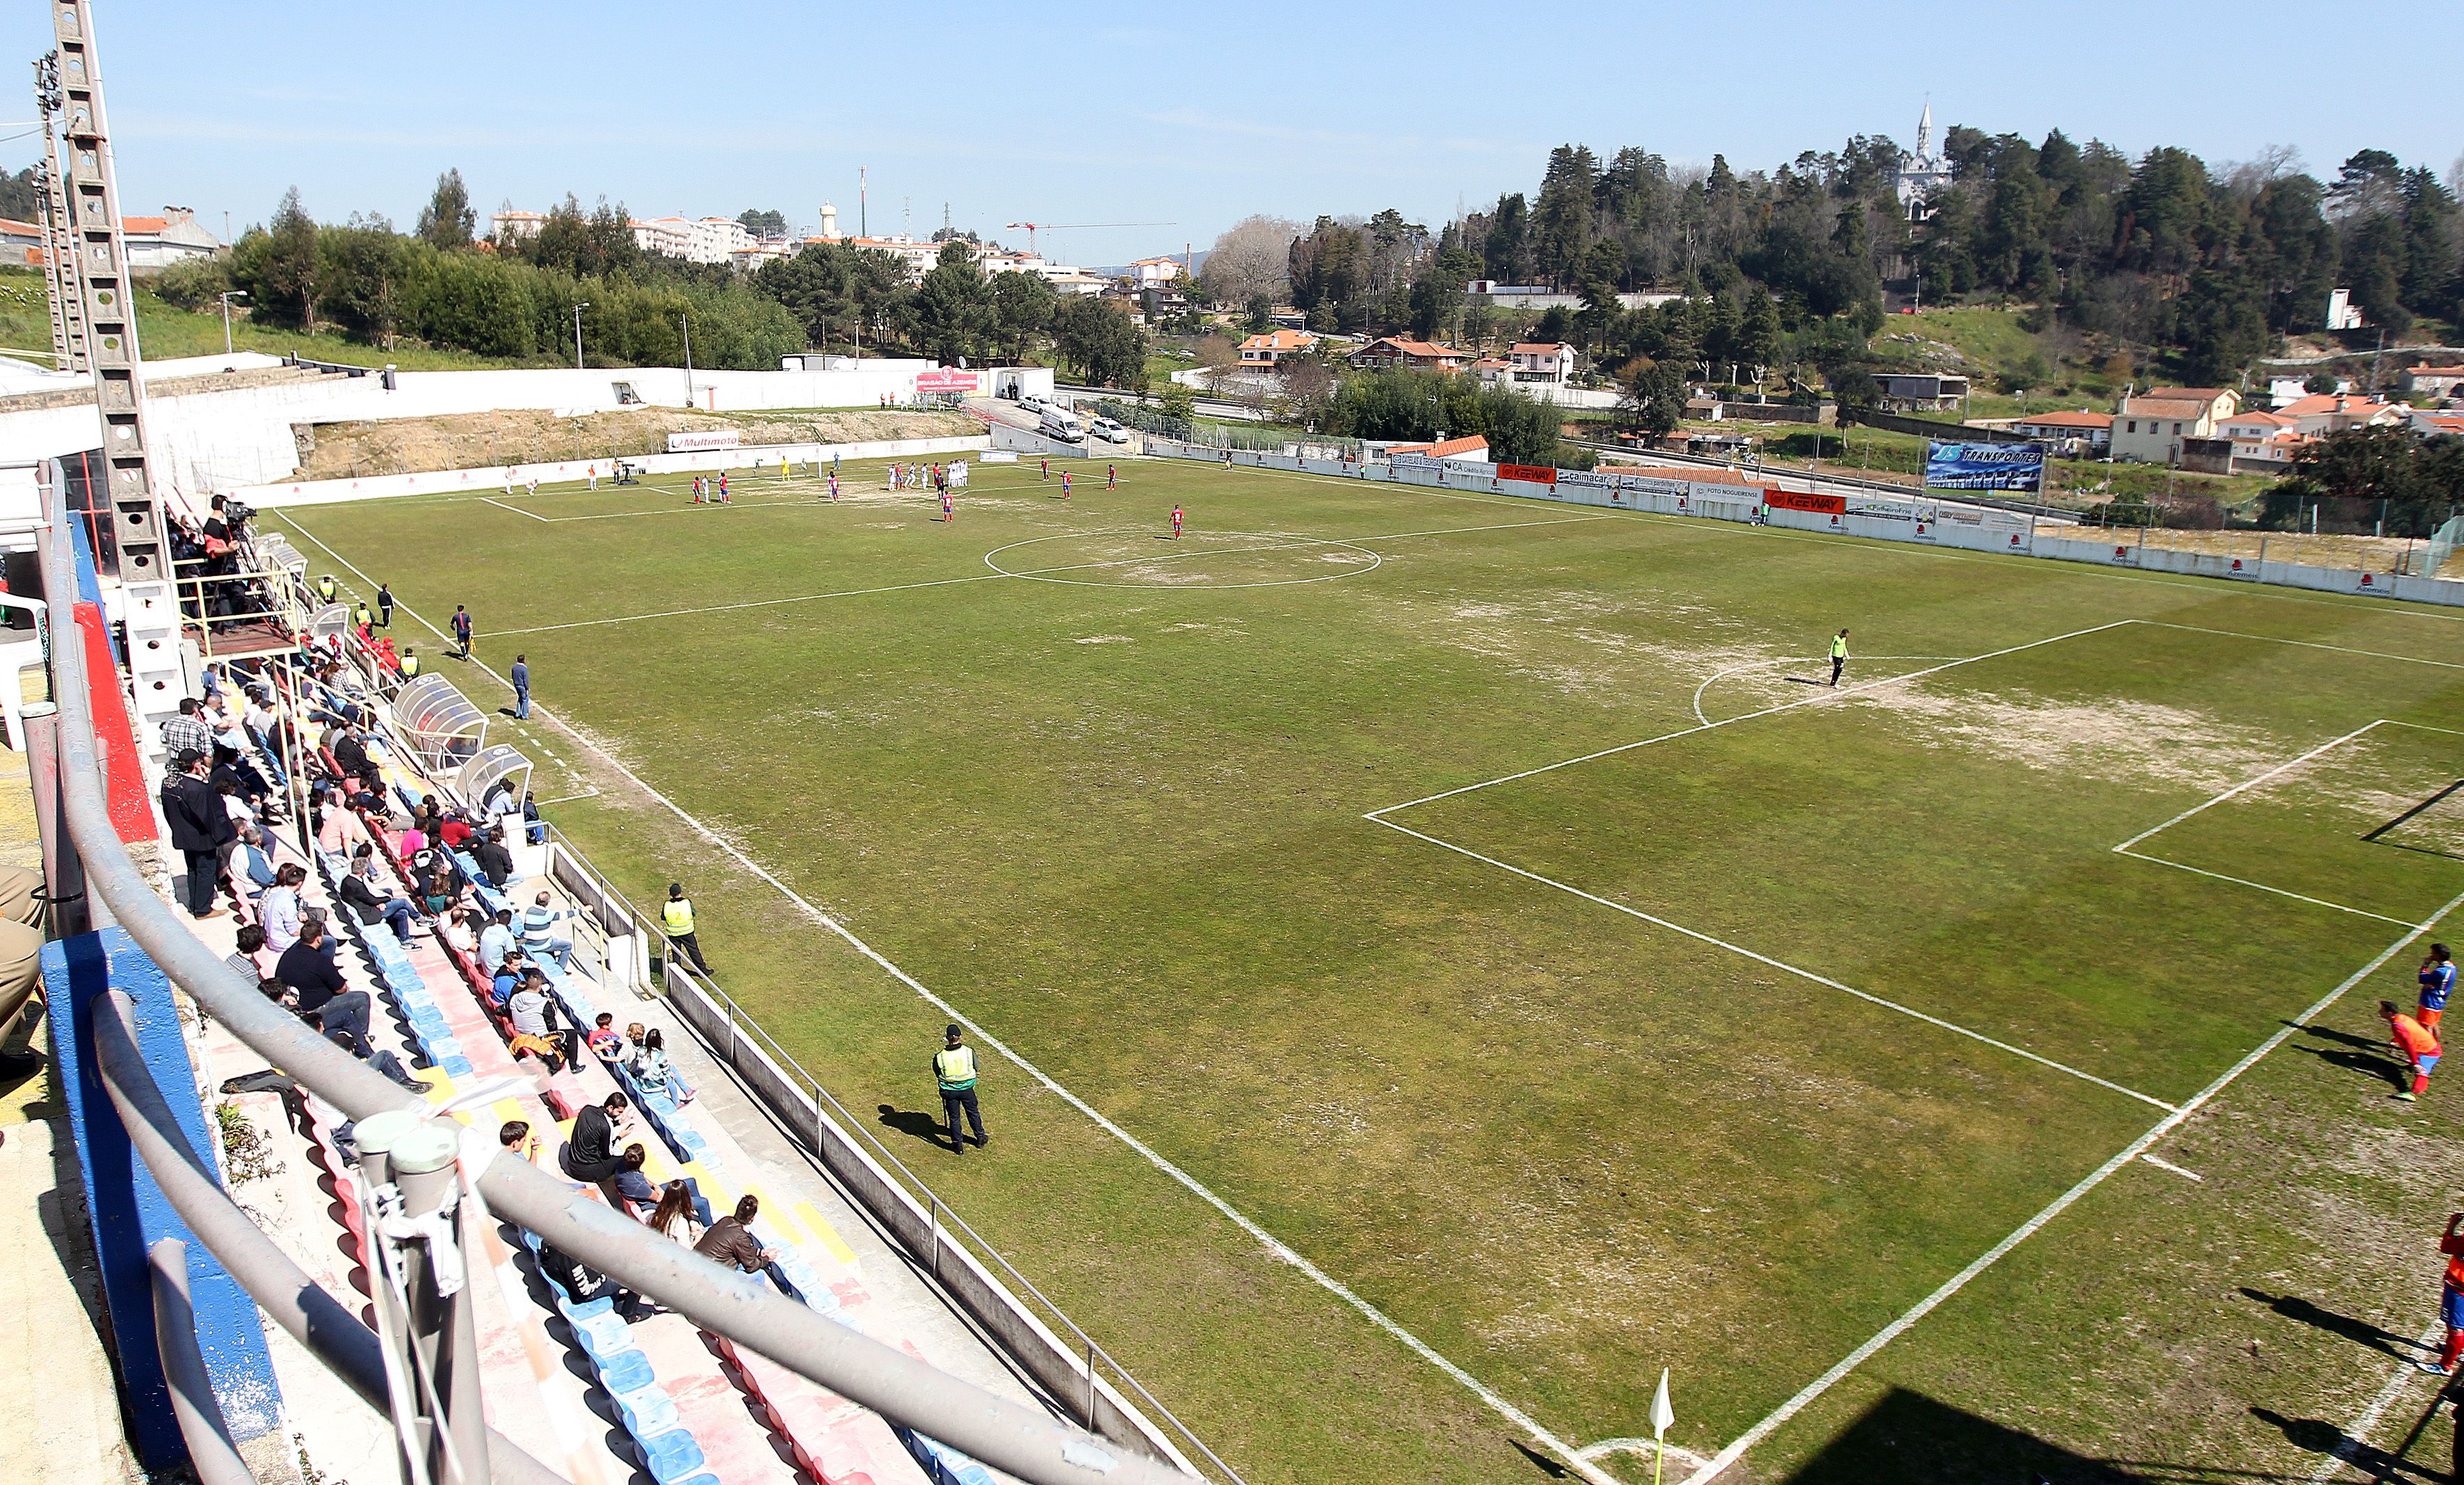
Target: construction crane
(1032, 228)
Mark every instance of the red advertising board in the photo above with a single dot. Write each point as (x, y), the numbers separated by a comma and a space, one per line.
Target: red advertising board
(1820, 504)
(1533, 473)
(946, 379)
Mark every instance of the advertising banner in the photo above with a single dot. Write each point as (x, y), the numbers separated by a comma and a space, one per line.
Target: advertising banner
(1818, 505)
(696, 443)
(1985, 466)
(946, 379)
(1530, 474)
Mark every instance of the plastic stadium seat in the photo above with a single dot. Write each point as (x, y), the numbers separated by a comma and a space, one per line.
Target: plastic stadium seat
(670, 1457)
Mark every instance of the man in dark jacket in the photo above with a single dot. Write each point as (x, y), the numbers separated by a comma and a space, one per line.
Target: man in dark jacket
(496, 862)
(319, 992)
(200, 828)
(352, 755)
(590, 1154)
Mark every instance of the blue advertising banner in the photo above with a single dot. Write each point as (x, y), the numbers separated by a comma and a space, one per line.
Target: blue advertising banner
(1985, 466)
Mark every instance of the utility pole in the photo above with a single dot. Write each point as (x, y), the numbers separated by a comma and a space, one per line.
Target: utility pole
(689, 390)
(577, 333)
(862, 215)
(227, 296)
(146, 579)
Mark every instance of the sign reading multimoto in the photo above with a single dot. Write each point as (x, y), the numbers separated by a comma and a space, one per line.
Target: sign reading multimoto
(705, 439)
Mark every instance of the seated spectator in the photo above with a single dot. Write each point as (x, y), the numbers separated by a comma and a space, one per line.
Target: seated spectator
(636, 1194)
(378, 1058)
(243, 960)
(730, 1240)
(507, 978)
(533, 1018)
(496, 862)
(534, 829)
(351, 752)
(680, 1198)
(339, 829)
(589, 1153)
(454, 831)
(496, 941)
(654, 1073)
(333, 942)
(514, 1136)
(413, 841)
(605, 1043)
(374, 900)
(321, 994)
(255, 858)
(280, 908)
(539, 941)
(462, 930)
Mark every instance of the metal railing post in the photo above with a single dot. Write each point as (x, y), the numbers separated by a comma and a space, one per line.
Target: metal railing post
(63, 874)
(212, 1454)
(441, 1334)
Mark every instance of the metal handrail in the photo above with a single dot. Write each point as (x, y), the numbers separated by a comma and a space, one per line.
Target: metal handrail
(201, 1427)
(1022, 1440)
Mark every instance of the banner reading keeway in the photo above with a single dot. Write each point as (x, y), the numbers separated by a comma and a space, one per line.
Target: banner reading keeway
(1819, 504)
(1533, 473)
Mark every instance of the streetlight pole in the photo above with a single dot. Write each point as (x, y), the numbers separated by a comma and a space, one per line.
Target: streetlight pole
(236, 294)
(577, 332)
(689, 390)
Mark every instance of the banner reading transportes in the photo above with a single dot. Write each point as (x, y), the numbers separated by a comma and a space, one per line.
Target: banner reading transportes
(1985, 466)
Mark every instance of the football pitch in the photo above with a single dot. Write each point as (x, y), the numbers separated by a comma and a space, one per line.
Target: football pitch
(1444, 958)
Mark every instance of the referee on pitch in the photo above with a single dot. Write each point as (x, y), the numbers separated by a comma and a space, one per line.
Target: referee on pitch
(1838, 655)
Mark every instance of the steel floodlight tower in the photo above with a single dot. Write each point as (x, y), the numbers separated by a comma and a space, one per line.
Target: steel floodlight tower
(59, 247)
(105, 290)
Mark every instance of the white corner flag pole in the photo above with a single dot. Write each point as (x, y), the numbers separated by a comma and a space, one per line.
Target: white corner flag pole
(1661, 1416)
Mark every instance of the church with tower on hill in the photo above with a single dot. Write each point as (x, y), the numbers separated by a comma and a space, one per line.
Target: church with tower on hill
(1924, 173)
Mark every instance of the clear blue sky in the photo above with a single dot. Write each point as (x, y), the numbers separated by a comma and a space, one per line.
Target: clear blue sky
(1194, 114)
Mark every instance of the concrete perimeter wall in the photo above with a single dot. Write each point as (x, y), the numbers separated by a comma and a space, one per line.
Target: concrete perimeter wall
(1927, 522)
(492, 480)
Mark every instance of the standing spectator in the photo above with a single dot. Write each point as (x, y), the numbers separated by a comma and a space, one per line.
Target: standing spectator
(676, 919)
(2418, 1044)
(730, 1240)
(2437, 983)
(187, 730)
(521, 688)
(462, 628)
(953, 1070)
(385, 606)
(280, 911)
(200, 825)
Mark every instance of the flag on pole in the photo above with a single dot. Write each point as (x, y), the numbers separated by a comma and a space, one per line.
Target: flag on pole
(1661, 1414)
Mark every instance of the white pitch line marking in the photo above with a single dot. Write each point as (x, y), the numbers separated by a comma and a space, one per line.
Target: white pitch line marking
(489, 499)
(2357, 1433)
(1779, 965)
(2306, 644)
(1283, 1250)
(1640, 1445)
(2245, 785)
(2147, 1159)
(1827, 695)
(1813, 1389)
(2244, 881)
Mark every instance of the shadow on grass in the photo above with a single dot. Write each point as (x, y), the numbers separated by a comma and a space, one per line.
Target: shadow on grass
(916, 1123)
(1919, 1440)
(1542, 1462)
(2292, 1307)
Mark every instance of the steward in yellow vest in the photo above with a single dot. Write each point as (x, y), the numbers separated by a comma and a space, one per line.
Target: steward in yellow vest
(954, 1071)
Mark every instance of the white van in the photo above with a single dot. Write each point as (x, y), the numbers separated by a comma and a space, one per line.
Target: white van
(1063, 426)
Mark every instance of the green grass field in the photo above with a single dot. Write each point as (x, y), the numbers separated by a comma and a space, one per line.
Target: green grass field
(1485, 899)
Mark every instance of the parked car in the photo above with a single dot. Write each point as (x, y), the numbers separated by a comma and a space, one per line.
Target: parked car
(1034, 404)
(1110, 432)
(1063, 426)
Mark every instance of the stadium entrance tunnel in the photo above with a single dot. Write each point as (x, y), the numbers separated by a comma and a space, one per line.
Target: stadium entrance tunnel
(1153, 557)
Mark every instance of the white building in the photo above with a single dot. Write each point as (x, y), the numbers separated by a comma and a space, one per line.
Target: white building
(2343, 314)
(2150, 430)
(173, 237)
(1543, 363)
(510, 226)
(1154, 273)
(1925, 173)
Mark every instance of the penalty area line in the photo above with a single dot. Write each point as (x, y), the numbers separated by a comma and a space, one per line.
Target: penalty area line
(2138, 1147)
(1782, 966)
